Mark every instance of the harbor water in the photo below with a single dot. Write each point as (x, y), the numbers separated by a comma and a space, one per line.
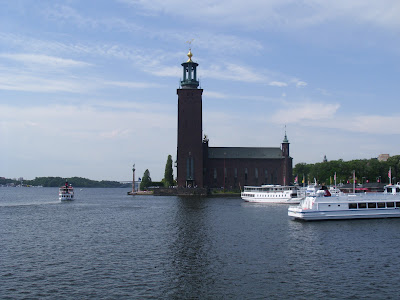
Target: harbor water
(108, 245)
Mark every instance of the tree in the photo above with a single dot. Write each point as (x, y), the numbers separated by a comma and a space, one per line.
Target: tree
(168, 174)
(146, 180)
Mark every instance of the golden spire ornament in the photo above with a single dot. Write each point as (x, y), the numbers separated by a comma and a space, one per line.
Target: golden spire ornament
(190, 51)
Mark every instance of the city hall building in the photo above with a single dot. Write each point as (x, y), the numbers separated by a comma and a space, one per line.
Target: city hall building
(199, 165)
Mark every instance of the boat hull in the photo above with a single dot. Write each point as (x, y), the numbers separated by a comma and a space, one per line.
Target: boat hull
(66, 197)
(271, 194)
(309, 215)
(271, 200)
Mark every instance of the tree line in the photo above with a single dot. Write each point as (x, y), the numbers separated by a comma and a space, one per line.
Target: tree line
(59, 181)
(366, 170)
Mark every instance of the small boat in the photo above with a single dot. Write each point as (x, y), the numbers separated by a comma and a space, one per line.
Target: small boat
(271, 194)
(66, 192)
(346, 206)
(392, 189)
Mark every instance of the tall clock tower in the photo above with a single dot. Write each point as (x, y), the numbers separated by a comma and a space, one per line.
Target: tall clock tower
(189, 150)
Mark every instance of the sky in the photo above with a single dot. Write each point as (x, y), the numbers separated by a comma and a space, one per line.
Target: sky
(88, 88)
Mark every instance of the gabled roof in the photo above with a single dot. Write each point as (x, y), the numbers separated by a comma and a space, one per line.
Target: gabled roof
(245, 152)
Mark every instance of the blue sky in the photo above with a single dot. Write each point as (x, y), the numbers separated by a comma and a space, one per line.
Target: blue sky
(87, 88)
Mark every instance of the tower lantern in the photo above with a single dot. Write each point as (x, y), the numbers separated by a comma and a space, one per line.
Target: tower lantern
(189, 73)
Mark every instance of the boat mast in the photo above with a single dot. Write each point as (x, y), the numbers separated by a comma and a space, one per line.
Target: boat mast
(335, 180)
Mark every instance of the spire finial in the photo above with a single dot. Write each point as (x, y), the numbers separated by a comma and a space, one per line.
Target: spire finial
(285, 139)
(190, 56)
(190, 50)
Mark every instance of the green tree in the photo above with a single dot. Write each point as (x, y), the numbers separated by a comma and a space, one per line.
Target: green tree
(168, 174)
(146, 180)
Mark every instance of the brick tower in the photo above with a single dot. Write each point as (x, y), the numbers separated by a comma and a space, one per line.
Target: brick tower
(189, 149)
(287, 162)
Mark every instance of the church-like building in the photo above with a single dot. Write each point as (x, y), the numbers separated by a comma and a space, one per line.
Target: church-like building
(199, 165)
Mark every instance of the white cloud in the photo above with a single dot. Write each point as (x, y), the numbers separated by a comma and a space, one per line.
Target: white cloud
(325, 115)
(281, 13)
(96, 140)
(373, 124)
(277, 83)
(46, 60)
(310, 111)
(301, 84)
(231, 71)
(133, 85)
(31, 83)
(212, 94)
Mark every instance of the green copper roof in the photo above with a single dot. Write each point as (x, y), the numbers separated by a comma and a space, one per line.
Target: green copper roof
(245, 152)
(285, 140)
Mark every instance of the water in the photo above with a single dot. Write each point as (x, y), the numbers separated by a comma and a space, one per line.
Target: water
(107, 245)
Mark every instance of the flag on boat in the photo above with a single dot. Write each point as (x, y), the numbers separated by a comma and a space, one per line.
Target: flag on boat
(334, 177)
(390, 173)
(296, 179)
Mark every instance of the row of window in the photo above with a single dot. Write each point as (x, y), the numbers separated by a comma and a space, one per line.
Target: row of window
(273, 174)
(374, 205)
(390, 190)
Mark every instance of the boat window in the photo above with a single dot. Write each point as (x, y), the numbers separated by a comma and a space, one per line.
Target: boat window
(397, 190)
(397, 204)
(353, 205)
(390, 204)
(389, 190)
(362, 205)
(381, 205)
(372, 205)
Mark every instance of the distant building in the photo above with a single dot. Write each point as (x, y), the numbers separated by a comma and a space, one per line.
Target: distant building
(199, 165)
(383, 157)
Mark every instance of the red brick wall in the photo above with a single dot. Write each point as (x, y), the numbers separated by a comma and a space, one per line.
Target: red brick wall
(190, 135)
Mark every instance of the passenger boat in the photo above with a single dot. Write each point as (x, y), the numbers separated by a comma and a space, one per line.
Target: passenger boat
(347, 206)
(393, 189)
(66, 192)
(271, 194)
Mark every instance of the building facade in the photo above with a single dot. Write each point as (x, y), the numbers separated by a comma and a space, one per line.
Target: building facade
(199, 165)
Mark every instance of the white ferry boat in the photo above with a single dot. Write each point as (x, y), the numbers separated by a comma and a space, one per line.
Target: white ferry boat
(347, 206)
(66, 192)
(271, 194)
(393, 189)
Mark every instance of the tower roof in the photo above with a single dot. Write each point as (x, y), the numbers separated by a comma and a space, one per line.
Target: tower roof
(189, 80)
(285, 139)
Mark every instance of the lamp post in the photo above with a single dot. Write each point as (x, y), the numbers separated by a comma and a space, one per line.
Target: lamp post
(224, 171)
(133, 179)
